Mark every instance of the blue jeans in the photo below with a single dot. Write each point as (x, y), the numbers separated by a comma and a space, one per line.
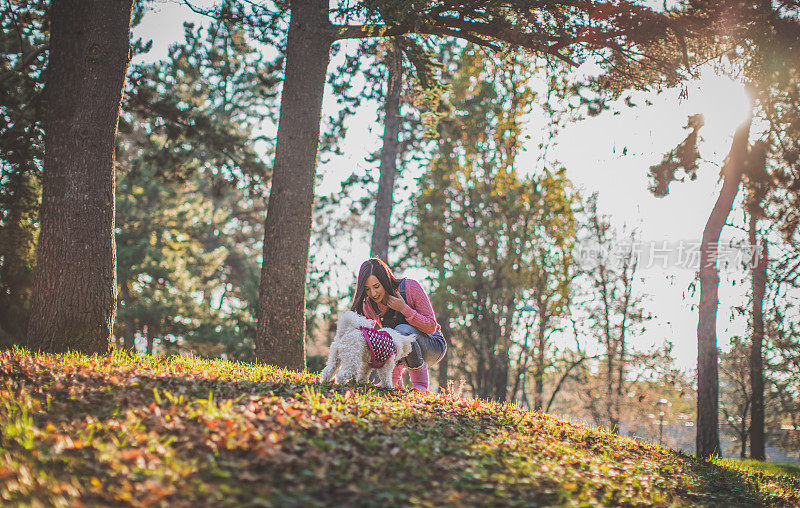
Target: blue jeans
(427, 349)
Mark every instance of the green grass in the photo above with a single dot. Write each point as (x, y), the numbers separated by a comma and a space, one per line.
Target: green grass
(773, 468)
(134, 431)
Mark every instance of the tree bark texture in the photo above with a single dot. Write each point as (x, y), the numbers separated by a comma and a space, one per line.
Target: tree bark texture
(280, 338)
(389, 155)
(74, 293)
(707, 437)
(759, 284)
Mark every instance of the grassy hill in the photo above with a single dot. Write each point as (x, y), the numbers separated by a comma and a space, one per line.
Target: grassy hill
(124, 430)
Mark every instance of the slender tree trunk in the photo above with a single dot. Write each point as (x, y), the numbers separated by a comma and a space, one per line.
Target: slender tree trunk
(618, 396)
(389, 155)
(610, 352)
(280, 338)
(522, 363)
(478, 380)
(74, 293)
(150, 336)
(129, 340)
(500, 378)
(538, 385)
(759, 275)
(443, 366)
(707, 438)
(620, 346)
(560, 383)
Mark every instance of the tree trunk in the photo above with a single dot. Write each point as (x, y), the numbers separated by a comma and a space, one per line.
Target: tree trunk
(743, 449)
(74, 293)
(500, 377)
(280, 338)
(150, 336)
(389, 154)
(759, 274)
(610, 419)
(129, 339)
(538, 386)
(443, 366)
(620, 345)
(522, 370)
(707, 438)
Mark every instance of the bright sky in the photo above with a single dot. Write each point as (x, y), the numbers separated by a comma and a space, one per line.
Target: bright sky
(592, 152)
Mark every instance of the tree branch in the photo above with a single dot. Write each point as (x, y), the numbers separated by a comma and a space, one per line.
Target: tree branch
(381, 30)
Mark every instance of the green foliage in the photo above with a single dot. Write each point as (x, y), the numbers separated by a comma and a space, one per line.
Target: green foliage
(192, 119)
(190, 195)
(23, 52)
(684, 156)
(200, 109)
(123, 430)
(782, 370)
(489, 235)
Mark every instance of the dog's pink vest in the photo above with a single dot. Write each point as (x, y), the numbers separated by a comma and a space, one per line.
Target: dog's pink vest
(381, 346)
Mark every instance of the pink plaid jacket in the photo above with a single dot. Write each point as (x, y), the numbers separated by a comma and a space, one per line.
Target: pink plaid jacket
(381, 346)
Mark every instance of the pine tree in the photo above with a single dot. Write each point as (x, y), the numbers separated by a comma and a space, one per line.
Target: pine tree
(23, 55)
(74, 292)
(190, 195)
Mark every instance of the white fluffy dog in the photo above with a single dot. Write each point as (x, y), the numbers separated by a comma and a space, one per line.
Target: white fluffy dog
(351, 355)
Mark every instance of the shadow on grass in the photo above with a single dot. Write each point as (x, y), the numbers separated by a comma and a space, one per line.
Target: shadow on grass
(342, 451)
(724, 486)
(364, 458)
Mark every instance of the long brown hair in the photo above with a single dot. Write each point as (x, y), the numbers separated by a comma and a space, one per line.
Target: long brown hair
(373, 266)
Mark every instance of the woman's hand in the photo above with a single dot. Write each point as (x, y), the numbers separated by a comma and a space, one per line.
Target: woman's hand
(395, 303)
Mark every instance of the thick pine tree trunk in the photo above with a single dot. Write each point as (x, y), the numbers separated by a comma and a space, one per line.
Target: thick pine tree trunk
(707, 438)
(759, 275)
(280, 339)
(389, 154)
(74, 292)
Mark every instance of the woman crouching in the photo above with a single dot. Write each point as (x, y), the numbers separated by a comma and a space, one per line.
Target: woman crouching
(401, 304)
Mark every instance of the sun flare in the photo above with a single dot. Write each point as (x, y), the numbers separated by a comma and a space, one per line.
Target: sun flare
(723, 102)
